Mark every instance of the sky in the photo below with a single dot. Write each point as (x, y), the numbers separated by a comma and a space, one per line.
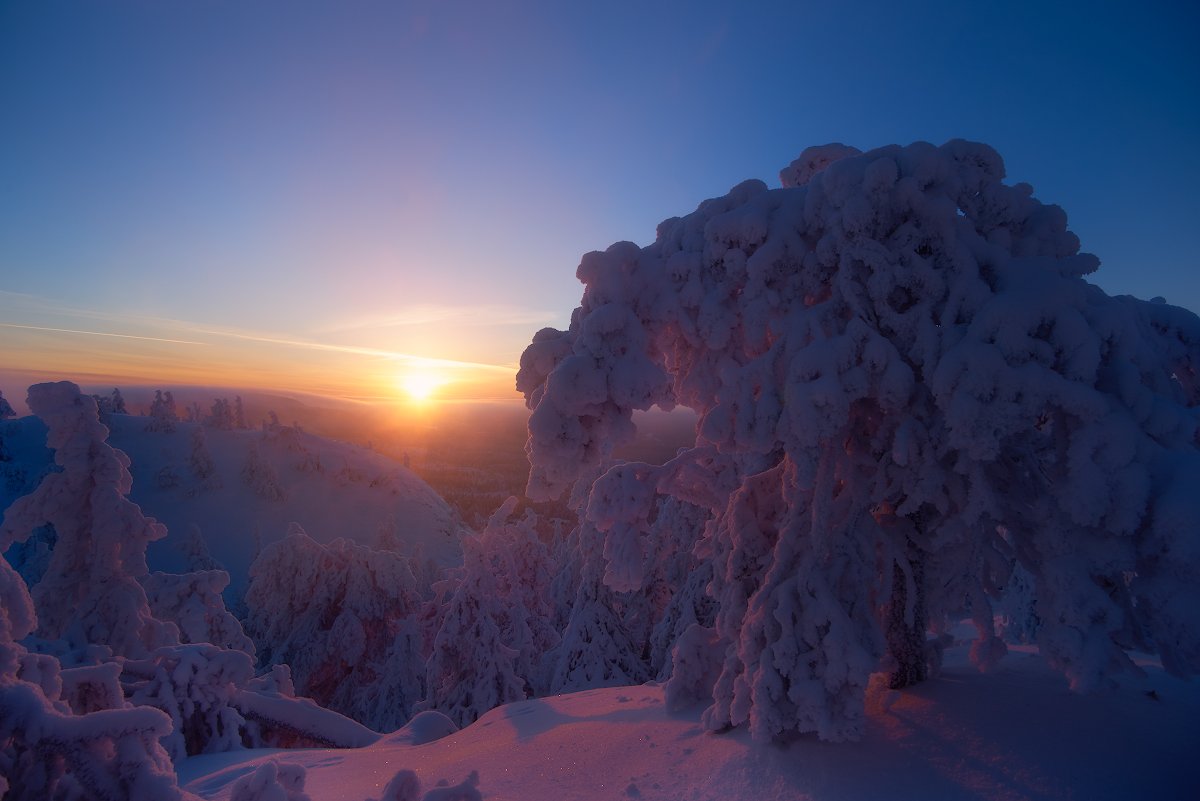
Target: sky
(352, 198)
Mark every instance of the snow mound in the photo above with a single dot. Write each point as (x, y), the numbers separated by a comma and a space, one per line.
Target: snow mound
(1017, 732)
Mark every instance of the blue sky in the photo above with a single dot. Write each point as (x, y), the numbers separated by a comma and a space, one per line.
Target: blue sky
(302, 189)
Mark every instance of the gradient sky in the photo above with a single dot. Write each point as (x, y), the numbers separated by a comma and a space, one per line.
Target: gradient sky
(308, 195)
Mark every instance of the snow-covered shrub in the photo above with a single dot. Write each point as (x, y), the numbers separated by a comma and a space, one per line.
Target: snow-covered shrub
(272, 781)
(47, 751)
(695, 665)
(404, 786)
(193, 602)
(466, 790)
(894, 358)
(337, 615)
(196, 685)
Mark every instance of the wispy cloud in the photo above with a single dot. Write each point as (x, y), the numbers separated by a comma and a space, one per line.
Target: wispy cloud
(100, 334)
(22, 306)
(353, 349)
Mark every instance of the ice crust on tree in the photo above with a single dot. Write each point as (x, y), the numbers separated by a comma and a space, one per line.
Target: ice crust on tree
(904, 386)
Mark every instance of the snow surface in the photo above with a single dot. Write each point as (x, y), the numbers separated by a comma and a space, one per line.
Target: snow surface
(1015, 733)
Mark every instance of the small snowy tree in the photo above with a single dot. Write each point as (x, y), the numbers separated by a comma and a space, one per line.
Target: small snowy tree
(201, 462)
(239, 414)
(163, 415)
(221, 417)
(6, 409)
(260, 475)
(194, 548)
(905, 385)
(193, 602)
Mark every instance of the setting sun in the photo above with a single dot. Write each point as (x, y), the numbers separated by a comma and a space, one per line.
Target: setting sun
(420, 386)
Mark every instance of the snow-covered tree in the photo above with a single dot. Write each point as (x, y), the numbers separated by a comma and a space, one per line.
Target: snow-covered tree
(222, 416)
(49, 751)
(272, 781)
(471, 668)
(201, 462)
(113, 403)
(905, 385)
(6, 409)
(89, 593)
(239, 414)
(193, 602)
(163, 415)
(194, 548)
(259, 474)
(338, 615)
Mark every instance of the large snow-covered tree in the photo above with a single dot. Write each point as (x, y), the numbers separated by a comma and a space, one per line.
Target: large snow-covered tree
(905, 385)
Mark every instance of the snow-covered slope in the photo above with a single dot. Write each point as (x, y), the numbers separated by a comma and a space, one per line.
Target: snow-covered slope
(1016, 733)
(332, 489)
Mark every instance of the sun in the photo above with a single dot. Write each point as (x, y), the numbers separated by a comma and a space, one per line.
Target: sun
(421, 385)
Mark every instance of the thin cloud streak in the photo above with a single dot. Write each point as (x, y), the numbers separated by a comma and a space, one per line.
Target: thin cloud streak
(354, 349)
(33, 303)
(101, 334)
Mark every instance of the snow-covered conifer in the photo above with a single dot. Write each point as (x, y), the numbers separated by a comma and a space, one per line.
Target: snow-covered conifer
(471, 669)
(48, 751)
(6, 409)
(337, 615)
(194, 548)
(163, 416)
(895, 358)
(221, 416)
(259, 474)
(193, 602)
(239, 414)
(90, 591)
(201, 462)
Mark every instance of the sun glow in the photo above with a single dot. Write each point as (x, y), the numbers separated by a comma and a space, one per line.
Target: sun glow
(420, 385)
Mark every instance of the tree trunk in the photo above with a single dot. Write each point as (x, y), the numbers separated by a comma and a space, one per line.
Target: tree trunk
(905, 636)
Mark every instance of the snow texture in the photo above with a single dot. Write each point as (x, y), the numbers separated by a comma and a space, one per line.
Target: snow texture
(905, 386)
(340, 615)
(89, 593)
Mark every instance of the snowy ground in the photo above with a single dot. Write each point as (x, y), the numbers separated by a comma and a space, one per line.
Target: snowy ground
(1016, 733)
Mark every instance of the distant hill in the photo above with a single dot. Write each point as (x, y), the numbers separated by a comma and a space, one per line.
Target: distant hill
(261, 480)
